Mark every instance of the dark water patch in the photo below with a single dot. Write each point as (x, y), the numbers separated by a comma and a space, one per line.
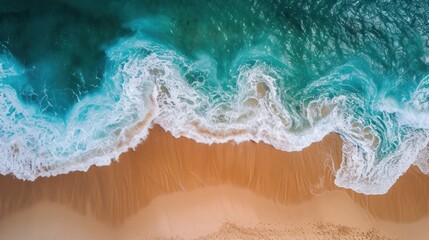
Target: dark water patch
(61, 47)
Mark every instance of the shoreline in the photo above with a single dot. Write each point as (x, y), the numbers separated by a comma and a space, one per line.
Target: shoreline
(116, 193)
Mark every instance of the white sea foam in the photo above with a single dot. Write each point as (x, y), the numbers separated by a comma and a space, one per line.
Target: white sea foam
(98, 128)
(145, 84)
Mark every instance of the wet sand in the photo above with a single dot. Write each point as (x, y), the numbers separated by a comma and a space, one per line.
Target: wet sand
(172, 187)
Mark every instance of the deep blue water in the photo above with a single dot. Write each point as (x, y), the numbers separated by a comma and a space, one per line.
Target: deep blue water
(76, 77)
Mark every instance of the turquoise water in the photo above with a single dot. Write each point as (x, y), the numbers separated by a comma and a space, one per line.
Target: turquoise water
(77, 78)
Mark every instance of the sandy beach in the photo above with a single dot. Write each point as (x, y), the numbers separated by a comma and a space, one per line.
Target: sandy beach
(170, 188)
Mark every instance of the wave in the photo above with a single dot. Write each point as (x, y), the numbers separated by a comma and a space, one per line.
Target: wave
(148, 82)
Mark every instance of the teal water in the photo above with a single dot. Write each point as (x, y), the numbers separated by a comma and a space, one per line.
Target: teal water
(76, 77)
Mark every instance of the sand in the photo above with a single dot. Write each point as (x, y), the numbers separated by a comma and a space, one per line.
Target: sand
(177, 188)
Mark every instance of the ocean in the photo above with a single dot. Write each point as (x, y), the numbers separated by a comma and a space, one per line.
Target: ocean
(83, 81)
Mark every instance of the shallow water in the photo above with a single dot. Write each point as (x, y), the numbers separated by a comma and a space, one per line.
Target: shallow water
(81, 82)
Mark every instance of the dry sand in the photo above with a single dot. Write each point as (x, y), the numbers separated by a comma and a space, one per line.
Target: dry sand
(177, 188)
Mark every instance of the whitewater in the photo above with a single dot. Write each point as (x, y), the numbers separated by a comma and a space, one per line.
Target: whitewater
(242, 73)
